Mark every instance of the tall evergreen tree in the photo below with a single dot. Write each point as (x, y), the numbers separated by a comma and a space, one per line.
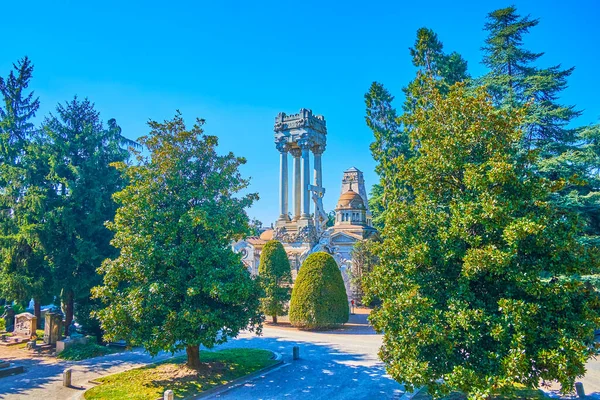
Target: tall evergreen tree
(391, 141)
(80, 152)
(514, 80)
(23, 269)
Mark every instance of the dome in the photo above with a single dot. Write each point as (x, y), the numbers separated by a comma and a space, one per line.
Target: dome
(267, 235)
(350, 199)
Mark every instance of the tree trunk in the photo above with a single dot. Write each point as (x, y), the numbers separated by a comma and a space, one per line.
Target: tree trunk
(37, 311)
(193, 356)
(68, 310)
(274, 319)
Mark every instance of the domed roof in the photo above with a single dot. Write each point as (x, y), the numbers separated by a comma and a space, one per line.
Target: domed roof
(350, 199)
(267, 235)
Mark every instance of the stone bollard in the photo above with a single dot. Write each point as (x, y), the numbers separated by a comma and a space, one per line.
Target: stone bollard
(579, 390)
(67, 377)
(169, 395)
(296, 352)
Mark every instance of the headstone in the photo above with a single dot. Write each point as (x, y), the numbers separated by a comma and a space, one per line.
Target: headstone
(168, 395)
(579, 389)
(53, 327)
(25, 324)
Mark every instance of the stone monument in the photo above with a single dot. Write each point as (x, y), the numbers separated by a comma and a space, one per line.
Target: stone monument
(300, 135)
(9, 318)
(25, 325)
(53, 327)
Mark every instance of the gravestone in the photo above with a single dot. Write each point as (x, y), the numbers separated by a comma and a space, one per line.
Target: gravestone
(53, 327)
(25, 324)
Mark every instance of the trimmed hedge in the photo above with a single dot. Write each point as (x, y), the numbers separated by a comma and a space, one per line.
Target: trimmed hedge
(319, 299)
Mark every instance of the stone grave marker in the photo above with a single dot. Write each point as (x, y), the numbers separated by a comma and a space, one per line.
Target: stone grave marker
(53, 327)
(25, 324)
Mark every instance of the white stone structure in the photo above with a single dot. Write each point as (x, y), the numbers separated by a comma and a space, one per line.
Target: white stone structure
(299, 135)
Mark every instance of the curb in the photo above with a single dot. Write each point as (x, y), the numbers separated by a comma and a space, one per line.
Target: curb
(242, 380)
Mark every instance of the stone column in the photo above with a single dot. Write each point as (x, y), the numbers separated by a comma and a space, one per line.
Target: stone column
(318, 177)
(283, 181)
(295, 152)
(305, 193)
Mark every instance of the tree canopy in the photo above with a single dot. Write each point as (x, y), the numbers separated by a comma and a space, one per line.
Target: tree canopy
(478, 272)
(177, 284)
(275, 275)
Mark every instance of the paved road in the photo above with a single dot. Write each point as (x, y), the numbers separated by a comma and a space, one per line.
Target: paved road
(334, 365)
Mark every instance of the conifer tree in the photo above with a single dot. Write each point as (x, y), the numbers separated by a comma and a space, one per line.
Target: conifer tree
(514, 80)
(80, 153)
(276, 279)
(23, 268)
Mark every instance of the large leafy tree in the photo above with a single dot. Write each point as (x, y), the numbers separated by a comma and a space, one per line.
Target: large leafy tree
(177, 284)
(275, 278)
(80, 152)
(23, 269)
(478, 272)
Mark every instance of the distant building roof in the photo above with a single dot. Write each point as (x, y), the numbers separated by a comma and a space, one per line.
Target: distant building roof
(352, 169)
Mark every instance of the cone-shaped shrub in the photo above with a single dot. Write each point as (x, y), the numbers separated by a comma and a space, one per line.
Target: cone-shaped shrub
(319, 299)
(276, 278)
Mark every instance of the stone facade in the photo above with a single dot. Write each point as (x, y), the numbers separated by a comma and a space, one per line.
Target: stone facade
(300, 231)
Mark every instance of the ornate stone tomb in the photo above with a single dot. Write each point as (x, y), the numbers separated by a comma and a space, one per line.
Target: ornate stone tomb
(25, 324)
(53, 328)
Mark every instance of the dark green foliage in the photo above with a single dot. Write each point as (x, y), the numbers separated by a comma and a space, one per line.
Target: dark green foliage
(177, 284)
(80, 150)
(319, 299)
(24, 272)
(564, 154)
(479, 271)
(391, 140)
(275, 278)
(364, 260)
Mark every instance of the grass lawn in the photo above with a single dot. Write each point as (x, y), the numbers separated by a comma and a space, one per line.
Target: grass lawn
(78, 352)
(150, 382)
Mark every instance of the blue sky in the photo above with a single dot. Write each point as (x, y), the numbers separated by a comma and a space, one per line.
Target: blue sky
(237, 64)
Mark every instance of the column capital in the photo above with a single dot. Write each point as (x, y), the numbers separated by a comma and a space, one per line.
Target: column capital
(318, 149)
(304, 144)
(295, 152)
(282, 146)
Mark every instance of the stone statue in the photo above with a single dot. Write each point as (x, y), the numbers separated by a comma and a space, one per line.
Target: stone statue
(9, 318)
(72, 330)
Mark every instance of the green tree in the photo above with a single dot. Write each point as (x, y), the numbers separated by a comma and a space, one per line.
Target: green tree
(479, 270)
(276, 279)
(80, 150)
(319, 299)
(177, 284)
(391, 140)
(514, 80)
(364, 259)
(23, 269)
(432, 63)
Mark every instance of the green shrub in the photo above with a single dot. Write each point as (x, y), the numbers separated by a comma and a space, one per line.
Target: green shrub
(319, 299)
(2, 325)
(275, 278)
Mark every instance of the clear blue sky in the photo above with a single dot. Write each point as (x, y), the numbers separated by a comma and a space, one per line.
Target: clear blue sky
(237, 64)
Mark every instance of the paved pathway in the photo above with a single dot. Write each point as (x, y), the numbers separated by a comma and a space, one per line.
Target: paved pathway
(338, 364)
